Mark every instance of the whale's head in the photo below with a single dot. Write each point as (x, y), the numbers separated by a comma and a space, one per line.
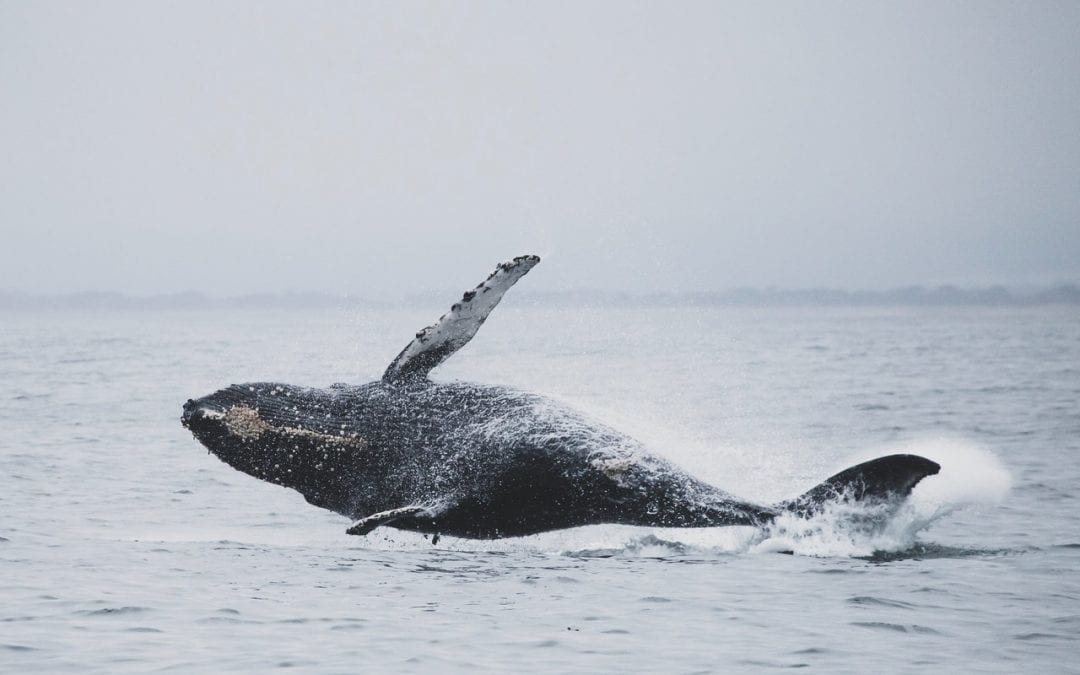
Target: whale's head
(278, 433)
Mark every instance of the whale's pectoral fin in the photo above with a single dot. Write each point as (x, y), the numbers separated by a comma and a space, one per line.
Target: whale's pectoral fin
(453, 330)
(365, 525)
(884, 479)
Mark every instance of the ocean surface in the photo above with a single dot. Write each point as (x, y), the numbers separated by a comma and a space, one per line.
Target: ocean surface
(124, 546)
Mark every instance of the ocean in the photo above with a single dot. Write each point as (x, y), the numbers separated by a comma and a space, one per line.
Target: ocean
(125, 546)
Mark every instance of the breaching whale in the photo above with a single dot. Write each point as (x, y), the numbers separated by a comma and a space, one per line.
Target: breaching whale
(482, 461)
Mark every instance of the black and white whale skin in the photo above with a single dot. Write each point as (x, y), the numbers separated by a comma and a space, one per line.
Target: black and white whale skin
(481, 461)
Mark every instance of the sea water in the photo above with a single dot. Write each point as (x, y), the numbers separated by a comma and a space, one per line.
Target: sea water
(125, 546)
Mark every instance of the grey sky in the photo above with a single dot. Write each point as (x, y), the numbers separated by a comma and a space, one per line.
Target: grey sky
(399, 147)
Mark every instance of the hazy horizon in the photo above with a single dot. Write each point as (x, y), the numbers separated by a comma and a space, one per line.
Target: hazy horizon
(911, 296)
(397, 149)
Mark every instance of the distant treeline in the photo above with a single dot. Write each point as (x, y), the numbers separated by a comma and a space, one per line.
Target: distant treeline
(1067, 294)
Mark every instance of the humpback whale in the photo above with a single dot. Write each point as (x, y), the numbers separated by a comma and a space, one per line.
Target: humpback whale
(483, 461)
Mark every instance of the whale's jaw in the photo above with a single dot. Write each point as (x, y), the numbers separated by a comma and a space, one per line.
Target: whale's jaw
(263, 431)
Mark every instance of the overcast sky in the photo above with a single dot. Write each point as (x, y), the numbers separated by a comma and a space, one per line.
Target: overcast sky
(401, 147)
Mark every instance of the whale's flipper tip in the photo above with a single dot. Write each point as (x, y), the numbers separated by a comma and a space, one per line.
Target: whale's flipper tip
(884, 479)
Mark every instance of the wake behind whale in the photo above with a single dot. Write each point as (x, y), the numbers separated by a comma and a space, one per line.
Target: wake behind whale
(485, 462)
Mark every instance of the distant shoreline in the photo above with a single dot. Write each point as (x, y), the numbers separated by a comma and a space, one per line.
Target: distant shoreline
(914, 296)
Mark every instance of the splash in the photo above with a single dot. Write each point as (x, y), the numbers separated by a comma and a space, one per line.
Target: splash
(970, 476)
(589, 541)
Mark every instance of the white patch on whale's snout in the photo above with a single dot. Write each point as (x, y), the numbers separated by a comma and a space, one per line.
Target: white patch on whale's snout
(245, 422)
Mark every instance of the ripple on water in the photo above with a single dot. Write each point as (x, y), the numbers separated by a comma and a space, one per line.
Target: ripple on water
(758, 664)
(929, 551)
(869, 600)
(112, 611)
(810, 650)
(896, 628)
(1027, 637)
(226, 620)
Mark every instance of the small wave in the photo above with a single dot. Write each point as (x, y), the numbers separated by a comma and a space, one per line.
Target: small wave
(895, 627)
(113, 611)
(870, 600)
(23, 395)
(1039, 636)
(868, 407)
(231, 620)
(930, 551)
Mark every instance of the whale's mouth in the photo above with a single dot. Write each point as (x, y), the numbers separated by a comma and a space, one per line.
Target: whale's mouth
(197, 411)
(281, 440)
(238, 421)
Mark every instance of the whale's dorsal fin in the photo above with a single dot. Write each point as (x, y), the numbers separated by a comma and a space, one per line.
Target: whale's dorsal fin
(453, 330)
